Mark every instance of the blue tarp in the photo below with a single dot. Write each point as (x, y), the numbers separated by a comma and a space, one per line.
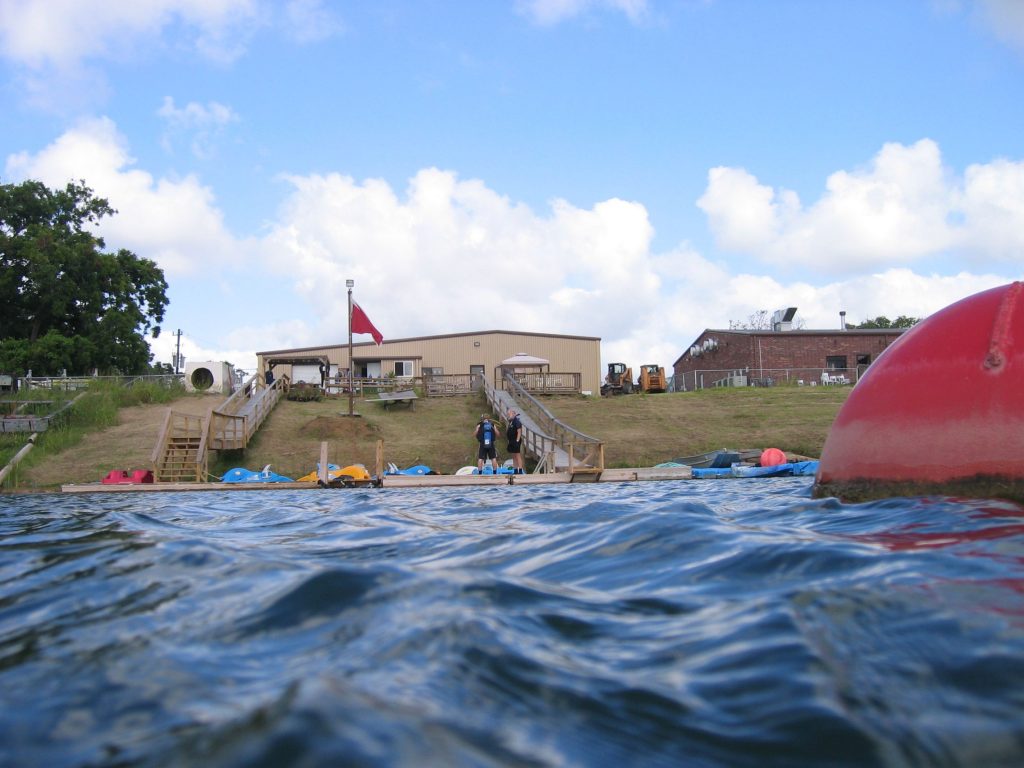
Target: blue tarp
(745, 470)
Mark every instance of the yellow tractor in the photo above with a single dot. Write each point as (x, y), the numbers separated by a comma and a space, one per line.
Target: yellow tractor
(619, 380)
(652, 379)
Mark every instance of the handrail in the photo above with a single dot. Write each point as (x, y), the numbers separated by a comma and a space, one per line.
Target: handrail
(161, 439)
(555, 434)
(201, 451)
(234, 430)
(561, 430)
(242, 393)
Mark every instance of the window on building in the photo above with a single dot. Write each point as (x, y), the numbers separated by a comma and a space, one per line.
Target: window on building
(836, 362)
(404, 369)
(863, 359)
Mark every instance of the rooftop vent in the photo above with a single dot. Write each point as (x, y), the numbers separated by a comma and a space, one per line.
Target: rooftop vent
(782, 319)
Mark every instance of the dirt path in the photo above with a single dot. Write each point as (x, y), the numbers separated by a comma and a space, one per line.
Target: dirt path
(129, 445)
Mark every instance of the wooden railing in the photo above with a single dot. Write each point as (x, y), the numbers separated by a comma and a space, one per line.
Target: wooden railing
(231, 425)
(177, 430)
(558, 383)
(582, 450)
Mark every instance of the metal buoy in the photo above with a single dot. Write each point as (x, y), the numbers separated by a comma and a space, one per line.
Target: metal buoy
(941, 411)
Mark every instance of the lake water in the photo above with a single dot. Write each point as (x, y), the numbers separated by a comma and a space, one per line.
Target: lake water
(696, 623)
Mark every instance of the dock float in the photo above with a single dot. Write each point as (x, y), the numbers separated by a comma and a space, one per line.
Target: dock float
(617, 475)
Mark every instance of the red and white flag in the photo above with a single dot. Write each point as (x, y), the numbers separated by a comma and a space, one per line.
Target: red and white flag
(360, 323)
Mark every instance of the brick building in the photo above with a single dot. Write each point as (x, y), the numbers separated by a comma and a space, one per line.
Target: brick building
(779, 356)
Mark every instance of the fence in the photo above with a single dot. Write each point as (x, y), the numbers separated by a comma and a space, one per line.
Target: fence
(450, 384)
(766, 377)
(558, 383)
(69, 383)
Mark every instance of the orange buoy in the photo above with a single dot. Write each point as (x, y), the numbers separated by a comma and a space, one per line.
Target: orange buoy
(941, 411)
(772, 457)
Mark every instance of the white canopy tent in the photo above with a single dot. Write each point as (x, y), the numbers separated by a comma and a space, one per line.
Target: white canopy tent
(522, 363)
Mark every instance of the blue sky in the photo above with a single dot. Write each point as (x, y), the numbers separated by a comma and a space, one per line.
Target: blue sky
(637, 170)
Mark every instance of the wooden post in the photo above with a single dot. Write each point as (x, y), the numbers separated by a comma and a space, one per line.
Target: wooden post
(18, 457)
(379, 468)
(324, 474)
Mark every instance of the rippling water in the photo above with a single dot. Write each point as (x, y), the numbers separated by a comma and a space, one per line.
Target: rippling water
(729, 623)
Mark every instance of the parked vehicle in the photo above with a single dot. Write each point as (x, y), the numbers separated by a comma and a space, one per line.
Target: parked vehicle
(619, 380)
(652, 379)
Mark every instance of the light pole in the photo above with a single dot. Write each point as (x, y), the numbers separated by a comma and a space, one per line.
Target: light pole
(351, 366)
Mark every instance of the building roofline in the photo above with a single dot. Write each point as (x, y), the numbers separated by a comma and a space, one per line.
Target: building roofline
(795, 332)
(805, 331)
(295, 350)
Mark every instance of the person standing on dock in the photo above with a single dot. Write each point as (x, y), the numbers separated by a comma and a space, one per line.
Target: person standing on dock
(514, 435)
(485, 434)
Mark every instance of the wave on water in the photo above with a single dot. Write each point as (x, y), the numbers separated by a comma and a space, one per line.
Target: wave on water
(714, 623)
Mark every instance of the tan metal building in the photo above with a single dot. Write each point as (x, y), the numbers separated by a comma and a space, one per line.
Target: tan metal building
(479, 352)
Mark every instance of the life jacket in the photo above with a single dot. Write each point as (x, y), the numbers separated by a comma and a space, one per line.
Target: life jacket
(486, 432)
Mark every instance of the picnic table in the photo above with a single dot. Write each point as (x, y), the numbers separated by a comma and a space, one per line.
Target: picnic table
(402, 397)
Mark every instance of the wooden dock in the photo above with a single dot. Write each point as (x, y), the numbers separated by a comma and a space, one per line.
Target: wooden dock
(638, 474)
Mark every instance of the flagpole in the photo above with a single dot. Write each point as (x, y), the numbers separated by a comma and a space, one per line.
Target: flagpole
(351, 365)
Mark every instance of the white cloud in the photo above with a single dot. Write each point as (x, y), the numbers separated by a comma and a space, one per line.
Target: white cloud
(174, 222)
(452, 255)
(905, 208)
(550, 12)
(309, 21)
(204, 123)
(61, 33)
(993, 209)
(1006, 19)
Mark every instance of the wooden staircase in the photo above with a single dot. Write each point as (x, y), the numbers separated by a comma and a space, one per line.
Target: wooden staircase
(182, 450)
(180, 455)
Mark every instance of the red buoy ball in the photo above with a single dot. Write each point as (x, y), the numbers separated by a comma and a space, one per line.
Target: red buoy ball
(941, 411)
(772, 457)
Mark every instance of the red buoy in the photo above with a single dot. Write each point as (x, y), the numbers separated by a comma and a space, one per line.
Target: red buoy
(772, 457)
(941, 411)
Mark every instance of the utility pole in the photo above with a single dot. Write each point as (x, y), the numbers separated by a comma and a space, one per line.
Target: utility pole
(177, 352)
(349, 283)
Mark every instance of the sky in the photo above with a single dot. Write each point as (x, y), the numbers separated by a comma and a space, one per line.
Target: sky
(635, 170)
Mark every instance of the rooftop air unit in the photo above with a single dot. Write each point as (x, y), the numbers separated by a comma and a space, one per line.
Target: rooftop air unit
(782, 319)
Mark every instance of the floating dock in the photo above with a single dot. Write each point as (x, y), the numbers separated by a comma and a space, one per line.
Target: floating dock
(637, 474)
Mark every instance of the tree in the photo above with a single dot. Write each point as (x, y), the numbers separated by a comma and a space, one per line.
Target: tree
(884, 322)
(64, 303)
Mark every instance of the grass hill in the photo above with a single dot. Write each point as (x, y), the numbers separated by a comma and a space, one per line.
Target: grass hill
(638, 430)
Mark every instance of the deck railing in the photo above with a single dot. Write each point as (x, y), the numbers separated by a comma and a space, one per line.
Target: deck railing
(557, 383)
(231, 425)
(581, 449)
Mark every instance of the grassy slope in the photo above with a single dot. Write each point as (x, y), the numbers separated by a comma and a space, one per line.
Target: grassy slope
(638, 430)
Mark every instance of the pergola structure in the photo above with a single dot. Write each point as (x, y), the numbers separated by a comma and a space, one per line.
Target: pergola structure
(521, 363)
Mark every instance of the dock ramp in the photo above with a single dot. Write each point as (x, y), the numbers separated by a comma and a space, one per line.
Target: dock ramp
(555, 446)
(185, 440)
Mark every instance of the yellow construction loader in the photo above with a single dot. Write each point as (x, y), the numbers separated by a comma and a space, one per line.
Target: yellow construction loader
(619, 380)
(652, 379)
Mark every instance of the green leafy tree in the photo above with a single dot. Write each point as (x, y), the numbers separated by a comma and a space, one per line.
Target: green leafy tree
(884, 322)
(64, 302)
